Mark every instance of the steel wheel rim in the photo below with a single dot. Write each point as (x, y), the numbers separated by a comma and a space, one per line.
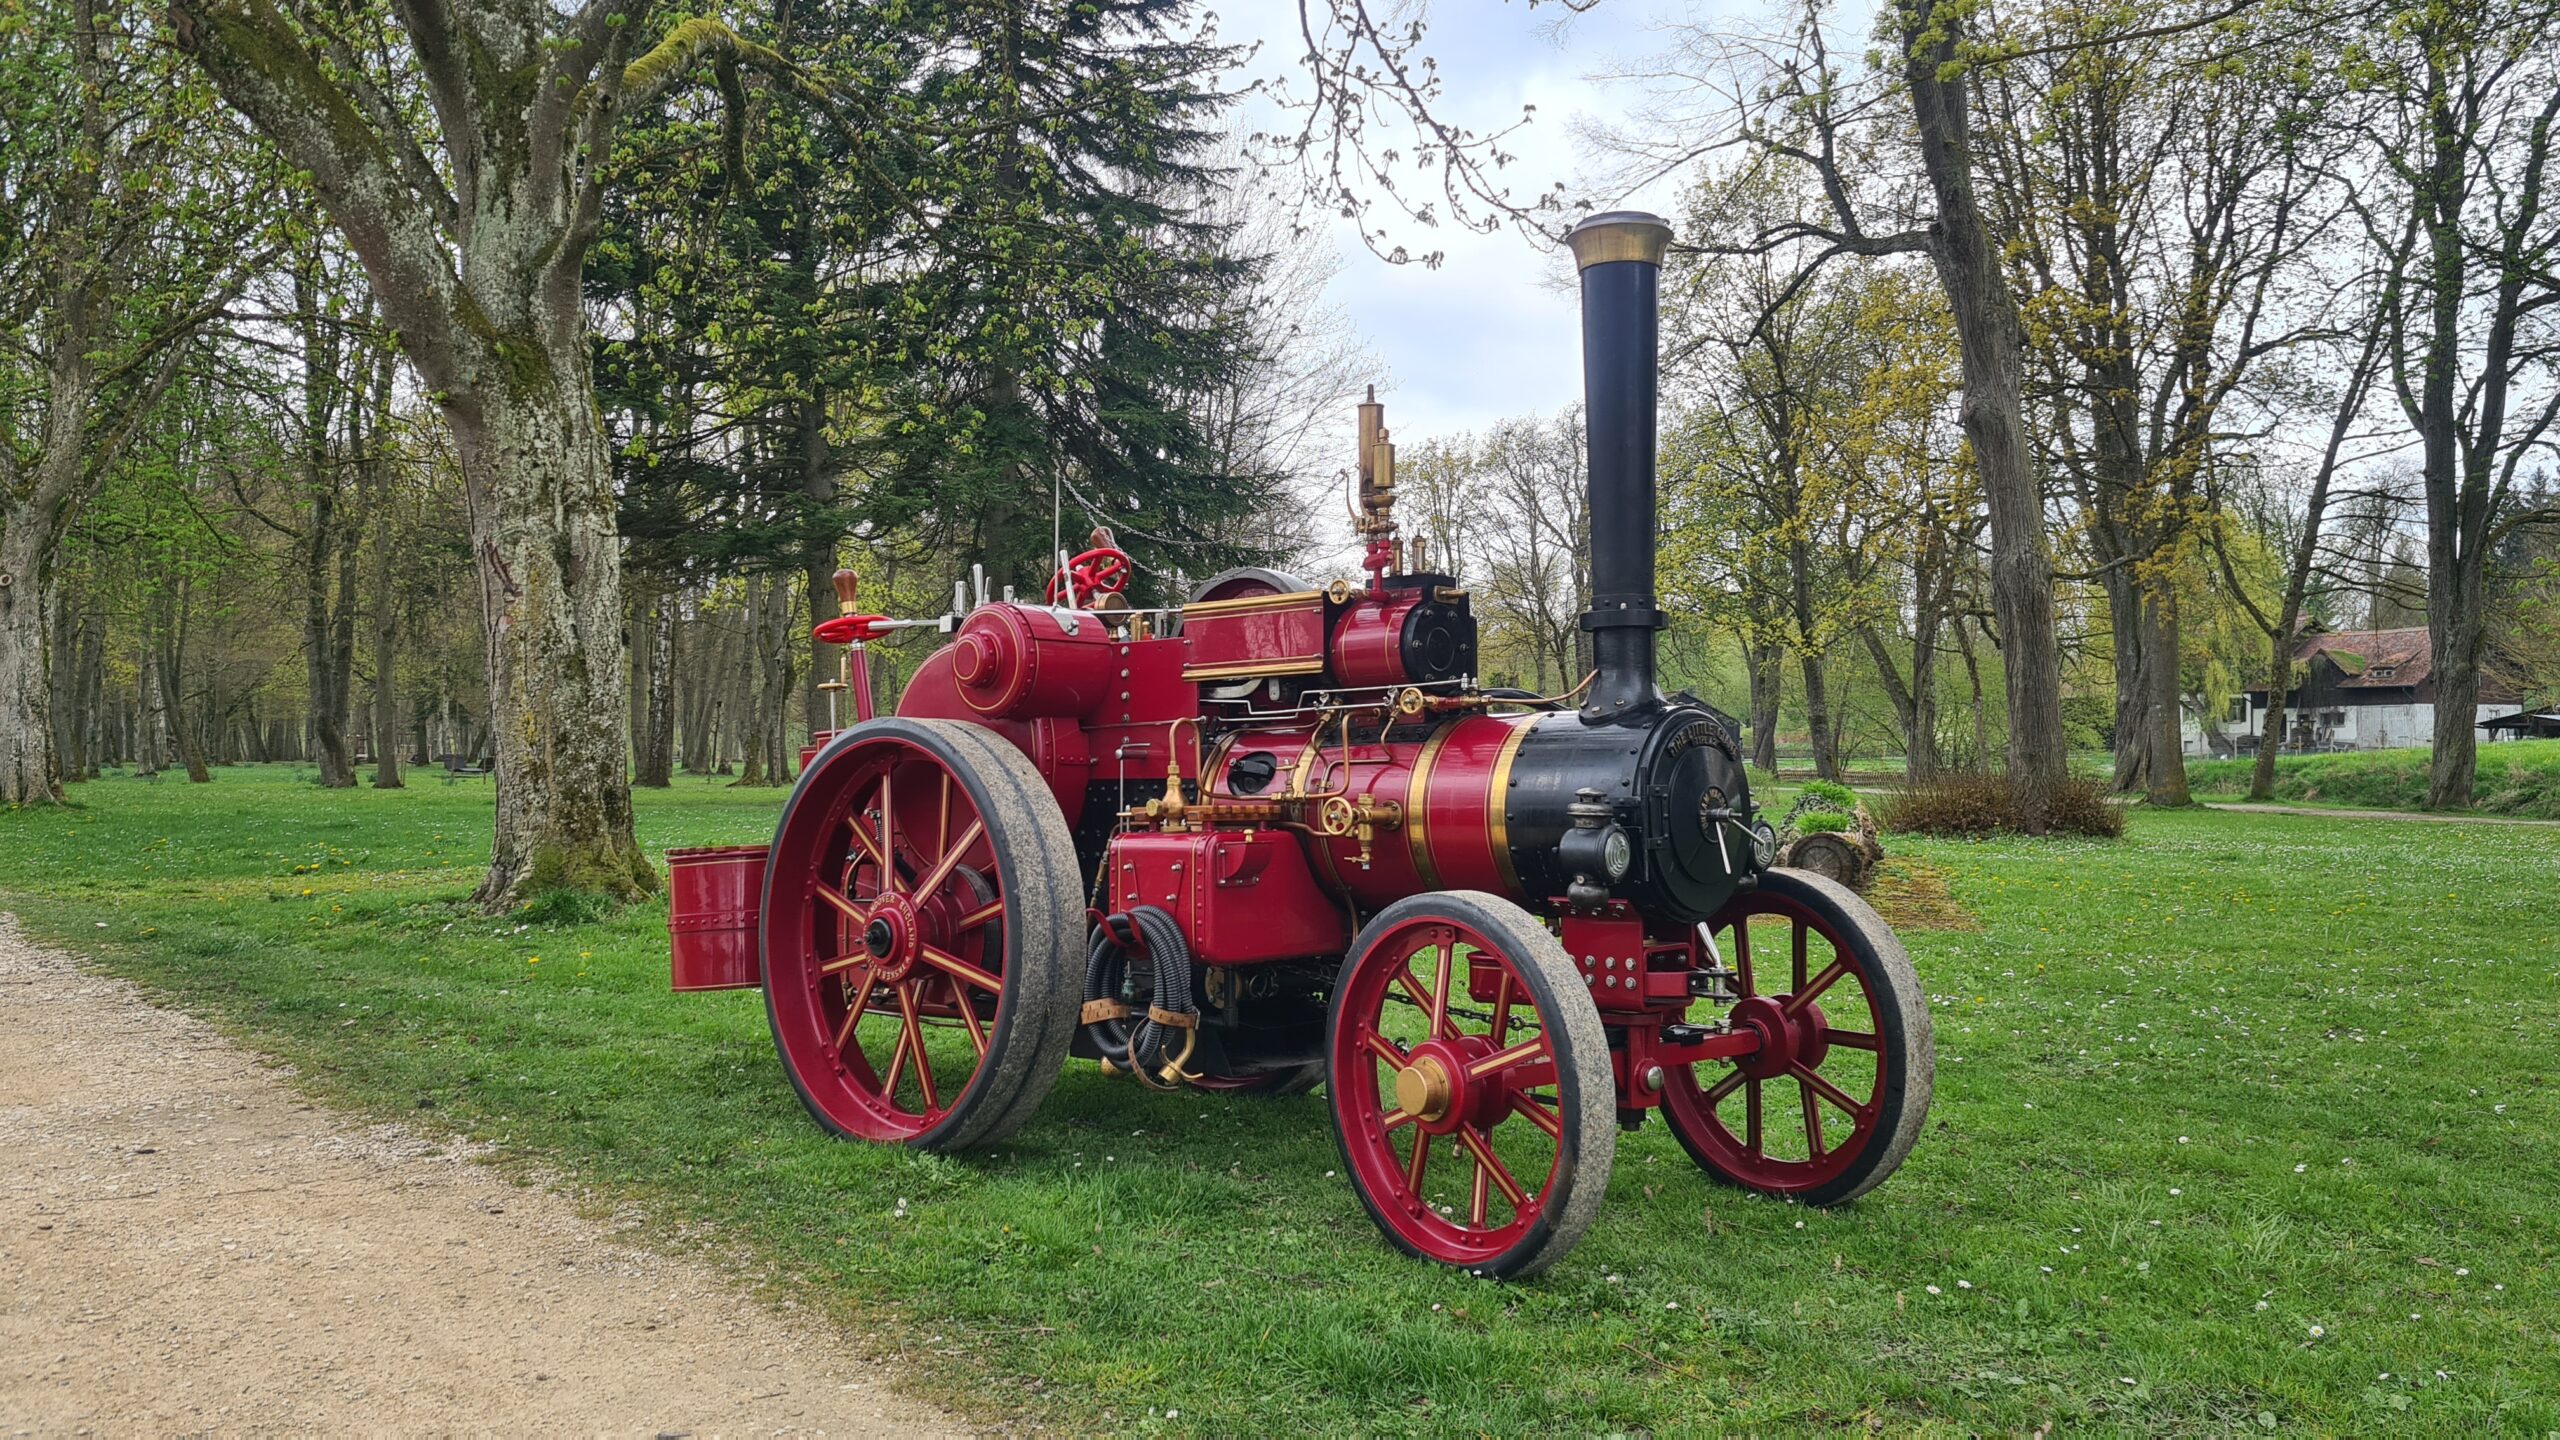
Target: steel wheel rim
(1495, 1127)
(887, 1033)
(1832, 1042)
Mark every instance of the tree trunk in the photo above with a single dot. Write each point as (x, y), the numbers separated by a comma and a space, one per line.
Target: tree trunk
(818, 482)
(1968, 262)
(550, 571)
(1981, 705)
(326, 665)
(2460, 629)
(1768, 685)
(2168, 758)
(653, 687)
(185, 738)
(2131, 741)
(29, 769)
(659, 729)
(2262, 776)
(386, 656)
(1817, 715)
(153, 749)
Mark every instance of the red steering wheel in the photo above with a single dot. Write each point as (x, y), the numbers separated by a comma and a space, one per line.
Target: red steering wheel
(1103, 570)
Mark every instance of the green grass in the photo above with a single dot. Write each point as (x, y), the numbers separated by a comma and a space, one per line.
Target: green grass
(2514, 777)
(2199, 1092)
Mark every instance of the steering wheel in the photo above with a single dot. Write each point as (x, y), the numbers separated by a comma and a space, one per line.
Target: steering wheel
(1103, 570)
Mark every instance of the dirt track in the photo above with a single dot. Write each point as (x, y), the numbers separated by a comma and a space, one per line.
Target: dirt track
(185, 1245)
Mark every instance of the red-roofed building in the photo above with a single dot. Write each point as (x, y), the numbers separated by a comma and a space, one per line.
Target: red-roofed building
(2367, 690)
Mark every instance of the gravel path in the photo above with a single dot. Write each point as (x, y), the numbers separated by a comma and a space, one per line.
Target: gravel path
(186, 1245)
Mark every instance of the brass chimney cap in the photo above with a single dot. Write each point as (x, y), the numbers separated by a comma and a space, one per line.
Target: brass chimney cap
(1619, 235)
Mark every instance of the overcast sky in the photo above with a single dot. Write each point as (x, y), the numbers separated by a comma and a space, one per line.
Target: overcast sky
(1490, 333)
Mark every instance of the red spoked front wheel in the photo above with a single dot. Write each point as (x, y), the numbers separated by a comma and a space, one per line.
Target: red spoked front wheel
(1835, 1097)
(1471, 1085)
(918, 934)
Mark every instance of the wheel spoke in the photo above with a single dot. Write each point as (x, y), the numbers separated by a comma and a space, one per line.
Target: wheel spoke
(915, 1045)
(992, 910)
(1805, 993)
(897, 1062)
(942, 868)
(1504, 1059)
(1731, 1082)
(1813, 1080)
(1413, 1163)
(1394, 1120)
(855, 913)
(1799, 949)
(845, 962)
(1742, 956)
(1502, 1008)
(969, 1018)
(1814, 1148)
(1475, 1202)
(1853, 1040)
(853, 1012)
(1536, 1114)
(942, 828)
(1486, 1163)
(1385, 1049)
(888, 834)
(960, 969)
(862, 836)
(1751, 1117)
(1440, 987)
(1413, 988)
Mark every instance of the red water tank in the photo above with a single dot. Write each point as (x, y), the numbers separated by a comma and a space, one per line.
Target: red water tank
(1018, 662)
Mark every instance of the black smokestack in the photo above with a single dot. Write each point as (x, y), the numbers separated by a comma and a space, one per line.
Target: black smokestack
(1620, 257)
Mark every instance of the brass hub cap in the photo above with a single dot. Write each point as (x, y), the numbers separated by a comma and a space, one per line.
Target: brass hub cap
(1423, 1089)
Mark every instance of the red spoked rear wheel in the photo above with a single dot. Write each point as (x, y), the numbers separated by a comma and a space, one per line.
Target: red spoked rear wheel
(1836, 1096)
(919, 919)
(1471, 1085)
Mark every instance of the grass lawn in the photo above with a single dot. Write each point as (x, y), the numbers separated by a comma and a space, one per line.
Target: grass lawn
(2242, 1123)
(2513, 777)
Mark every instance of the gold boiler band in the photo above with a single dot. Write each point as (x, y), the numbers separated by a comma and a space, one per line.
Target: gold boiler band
(1417, 805)
(1497, 802)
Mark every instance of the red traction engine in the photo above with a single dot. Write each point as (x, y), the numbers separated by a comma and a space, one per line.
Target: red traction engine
(1280, 838)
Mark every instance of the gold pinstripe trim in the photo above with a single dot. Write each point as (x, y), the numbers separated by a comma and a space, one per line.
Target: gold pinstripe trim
(1417, 805)
(1253, 669)
(1497, 823)
(1249, 604)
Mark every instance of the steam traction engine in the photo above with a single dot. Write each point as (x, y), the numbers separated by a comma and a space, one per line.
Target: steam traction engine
(1281, 837)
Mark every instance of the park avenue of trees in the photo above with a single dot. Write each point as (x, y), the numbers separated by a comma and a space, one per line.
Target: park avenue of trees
(383, 384)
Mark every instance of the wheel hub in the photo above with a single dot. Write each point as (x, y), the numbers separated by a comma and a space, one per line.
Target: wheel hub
(1436, 1090)
(893, 938)
(1423, 1089)
(1785, 1039)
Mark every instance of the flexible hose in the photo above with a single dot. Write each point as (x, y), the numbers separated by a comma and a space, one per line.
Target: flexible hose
(1133, 1041)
